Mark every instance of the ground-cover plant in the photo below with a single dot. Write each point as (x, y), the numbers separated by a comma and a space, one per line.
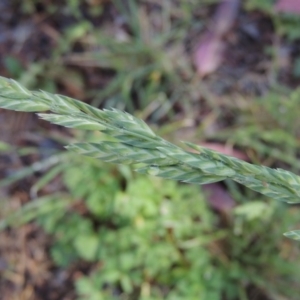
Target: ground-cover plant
(137, 237)
(135, 143)
(142, 237)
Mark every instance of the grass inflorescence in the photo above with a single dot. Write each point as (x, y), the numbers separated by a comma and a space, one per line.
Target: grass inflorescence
(135, 143)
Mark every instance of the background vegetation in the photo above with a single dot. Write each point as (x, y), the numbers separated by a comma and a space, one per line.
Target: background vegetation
(76, 228)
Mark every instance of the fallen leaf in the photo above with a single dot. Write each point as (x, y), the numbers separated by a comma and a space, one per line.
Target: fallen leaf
(225, 16)
(208, 54)
(218, 197)
(226, 150)
(209, 51)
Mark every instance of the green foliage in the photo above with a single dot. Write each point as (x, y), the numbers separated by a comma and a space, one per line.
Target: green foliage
(142, 59)
(137, 235)
(153, 239)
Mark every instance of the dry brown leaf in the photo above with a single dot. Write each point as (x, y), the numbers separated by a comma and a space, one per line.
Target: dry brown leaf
(209, 51)
(226, 150)
(218, 197)
(225, 16)
(208, 54)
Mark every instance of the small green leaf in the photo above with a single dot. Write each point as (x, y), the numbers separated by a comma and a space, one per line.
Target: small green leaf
(294, 235)
(87, 246)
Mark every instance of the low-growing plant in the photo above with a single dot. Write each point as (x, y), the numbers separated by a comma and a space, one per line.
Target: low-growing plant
(145, 238)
